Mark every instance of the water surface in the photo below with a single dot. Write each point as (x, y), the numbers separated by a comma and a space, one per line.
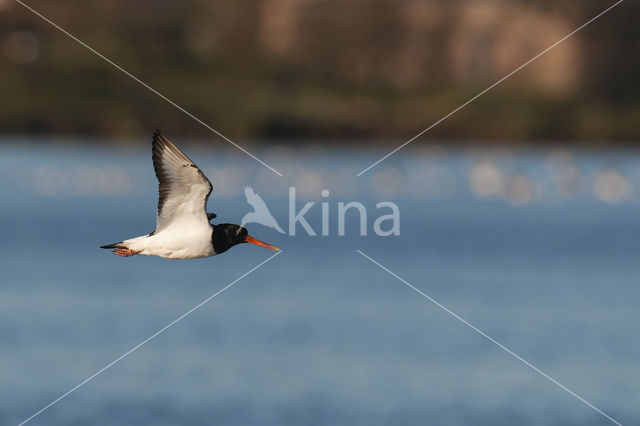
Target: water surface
(547, 264)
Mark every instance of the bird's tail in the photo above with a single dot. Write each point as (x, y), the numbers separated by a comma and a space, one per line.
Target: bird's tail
(113, 246)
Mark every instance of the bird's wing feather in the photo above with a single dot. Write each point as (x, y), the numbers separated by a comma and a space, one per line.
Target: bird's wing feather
(255, 200)
(183, 188)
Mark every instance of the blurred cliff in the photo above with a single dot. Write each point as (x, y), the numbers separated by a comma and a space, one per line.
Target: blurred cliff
(331, 69)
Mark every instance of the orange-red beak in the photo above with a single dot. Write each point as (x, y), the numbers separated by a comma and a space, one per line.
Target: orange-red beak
(250, 239)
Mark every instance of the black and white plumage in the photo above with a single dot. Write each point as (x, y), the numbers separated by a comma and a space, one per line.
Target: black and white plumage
(182, 229)
(183, 189)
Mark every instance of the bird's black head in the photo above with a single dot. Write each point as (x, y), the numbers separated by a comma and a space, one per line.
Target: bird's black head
(227, 235)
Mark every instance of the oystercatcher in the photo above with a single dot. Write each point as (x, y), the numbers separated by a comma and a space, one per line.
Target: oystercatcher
(183, 228)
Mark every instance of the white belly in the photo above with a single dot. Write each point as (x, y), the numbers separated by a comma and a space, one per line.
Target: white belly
(174, 243)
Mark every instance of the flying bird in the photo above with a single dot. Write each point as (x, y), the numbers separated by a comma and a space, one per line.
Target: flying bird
(260, 213)
(183, 230)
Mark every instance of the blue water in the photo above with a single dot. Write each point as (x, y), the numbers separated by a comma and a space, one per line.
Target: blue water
(320, 335)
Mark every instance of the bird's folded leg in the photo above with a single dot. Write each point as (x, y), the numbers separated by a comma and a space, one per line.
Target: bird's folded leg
(124, 252)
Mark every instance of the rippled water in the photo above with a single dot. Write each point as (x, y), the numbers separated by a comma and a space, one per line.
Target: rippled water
(537, 249)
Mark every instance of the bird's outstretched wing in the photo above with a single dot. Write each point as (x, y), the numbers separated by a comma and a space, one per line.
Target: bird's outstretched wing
(255, 200)
(183, 188)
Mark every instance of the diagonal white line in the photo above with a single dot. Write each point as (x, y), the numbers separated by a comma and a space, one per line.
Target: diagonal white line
(127, 73)
(136, 347)
(490, 87)
(500, 345)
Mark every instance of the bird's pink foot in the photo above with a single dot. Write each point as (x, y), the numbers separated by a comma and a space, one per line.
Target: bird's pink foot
(124, 252)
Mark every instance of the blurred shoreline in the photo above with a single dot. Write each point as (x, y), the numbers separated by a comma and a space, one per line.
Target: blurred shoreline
(136, 141)
(299, 69)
